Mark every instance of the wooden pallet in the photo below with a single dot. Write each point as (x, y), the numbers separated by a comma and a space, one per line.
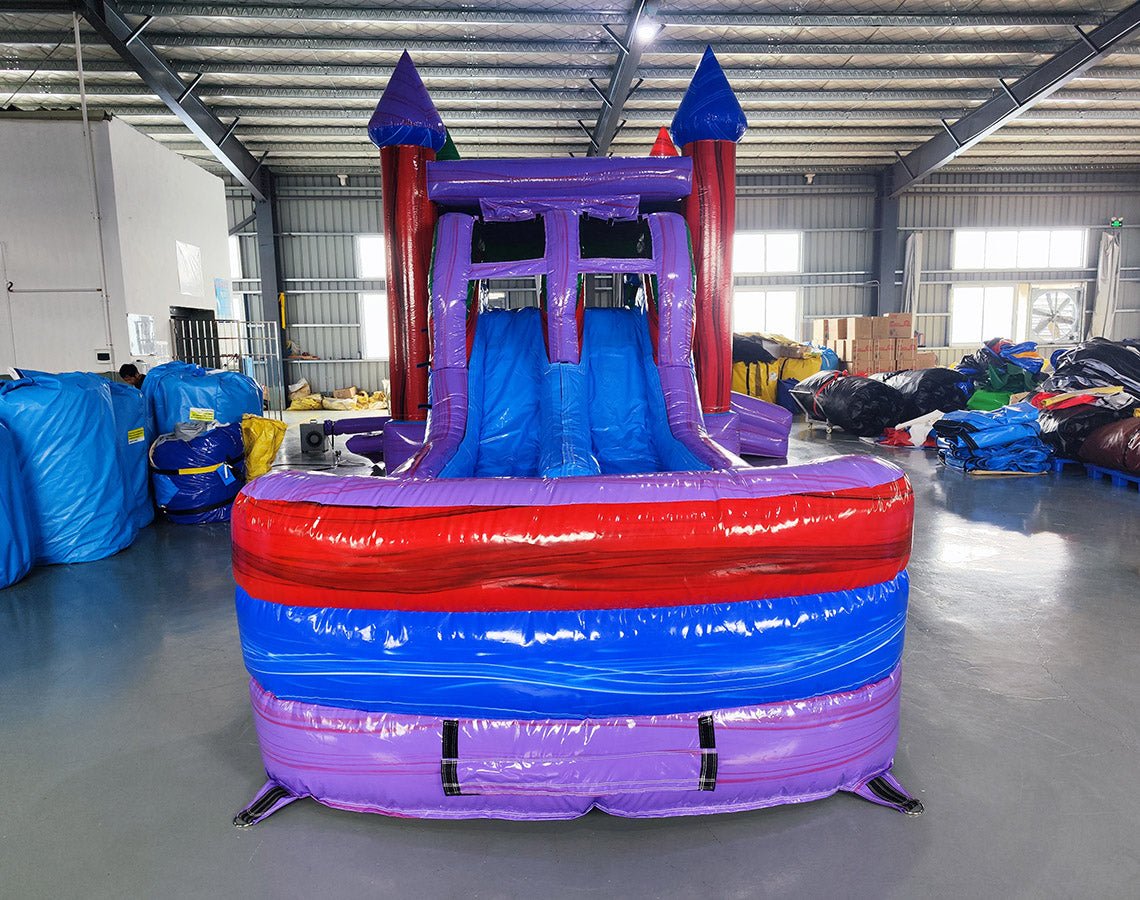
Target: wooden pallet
(1120, 480)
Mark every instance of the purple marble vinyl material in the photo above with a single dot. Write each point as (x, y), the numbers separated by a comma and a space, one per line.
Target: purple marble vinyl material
(639, 766)
(763, 427)
(405, 114)
(833, 473)
(472, 181)
(724, 429)
(450, 274)
(562, 251)
(401, 442)
(519, 209)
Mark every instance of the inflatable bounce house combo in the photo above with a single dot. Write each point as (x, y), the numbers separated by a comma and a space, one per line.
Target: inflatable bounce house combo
(570, 591)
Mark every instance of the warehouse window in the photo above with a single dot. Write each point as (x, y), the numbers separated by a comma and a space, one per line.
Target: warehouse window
(235, 258)
(370, 262)
(766, 252)
(374, 325)
(771, 312)
(1007, 249)
(981, 312)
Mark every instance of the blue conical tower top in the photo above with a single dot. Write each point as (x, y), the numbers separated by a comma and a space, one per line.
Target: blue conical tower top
(709, 111)
(405, 113)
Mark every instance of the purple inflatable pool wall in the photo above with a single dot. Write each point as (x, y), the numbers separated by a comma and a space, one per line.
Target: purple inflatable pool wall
(570, 591)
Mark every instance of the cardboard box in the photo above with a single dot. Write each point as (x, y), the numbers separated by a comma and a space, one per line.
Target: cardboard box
(900, 324)
(883, 347)
(820, 331)
(860, 365)
(905, 347)
(837, 328)
(344, 393)
(881, 329)
(906, 362)
(883, 362)
(860, 328)
(925, 359)
(840, 348)
(861, 348)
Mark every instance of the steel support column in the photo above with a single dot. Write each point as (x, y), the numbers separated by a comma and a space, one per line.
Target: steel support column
(1014, 99)
(886, 248)
(267, 307)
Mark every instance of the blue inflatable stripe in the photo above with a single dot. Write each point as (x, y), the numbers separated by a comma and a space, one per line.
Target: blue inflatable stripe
(575, 664)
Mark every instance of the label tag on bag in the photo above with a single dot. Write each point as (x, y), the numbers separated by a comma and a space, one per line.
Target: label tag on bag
(198, 414)
(226, 474)
(135, 435)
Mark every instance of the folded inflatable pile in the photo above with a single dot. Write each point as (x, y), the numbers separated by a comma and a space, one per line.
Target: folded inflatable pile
(572, 593)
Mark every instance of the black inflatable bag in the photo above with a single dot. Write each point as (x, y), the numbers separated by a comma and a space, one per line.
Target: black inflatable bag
(1096, 363)
(861, 406)
(929, 389)
(1065, 430)
(749, 348)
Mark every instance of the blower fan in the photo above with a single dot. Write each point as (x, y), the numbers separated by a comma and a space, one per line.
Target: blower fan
(1056, 315)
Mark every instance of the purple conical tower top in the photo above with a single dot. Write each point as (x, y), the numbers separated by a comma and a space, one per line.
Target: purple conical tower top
(709, 111)
(405, 114)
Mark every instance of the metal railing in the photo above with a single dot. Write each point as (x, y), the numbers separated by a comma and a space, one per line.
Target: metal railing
(252, 348)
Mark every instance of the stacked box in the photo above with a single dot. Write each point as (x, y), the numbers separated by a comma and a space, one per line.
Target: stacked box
(870, 343)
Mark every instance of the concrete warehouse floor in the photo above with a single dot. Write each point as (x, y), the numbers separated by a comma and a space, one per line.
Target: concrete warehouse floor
(126, 743)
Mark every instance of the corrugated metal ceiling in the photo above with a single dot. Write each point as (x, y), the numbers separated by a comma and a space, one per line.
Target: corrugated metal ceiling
(829, 85)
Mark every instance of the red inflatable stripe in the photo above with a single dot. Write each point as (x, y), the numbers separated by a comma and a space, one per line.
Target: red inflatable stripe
(409, 228)
(587, 556)
(710, 211)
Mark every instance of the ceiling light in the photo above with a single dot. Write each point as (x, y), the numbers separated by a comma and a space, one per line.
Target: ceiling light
(647, 30)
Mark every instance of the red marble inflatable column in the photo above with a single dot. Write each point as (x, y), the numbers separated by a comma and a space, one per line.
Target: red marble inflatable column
(708, 124)
(710, 211)
(409, 223)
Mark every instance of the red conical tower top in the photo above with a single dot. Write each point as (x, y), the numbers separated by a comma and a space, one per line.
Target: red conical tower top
(663, 146)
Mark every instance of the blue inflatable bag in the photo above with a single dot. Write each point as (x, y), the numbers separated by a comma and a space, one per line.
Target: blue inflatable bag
(180, 392)
(15, 517)
(197, 472)
(63, 428)
(132, 441)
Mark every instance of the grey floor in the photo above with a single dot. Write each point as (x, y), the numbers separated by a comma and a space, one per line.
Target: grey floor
(126, 744)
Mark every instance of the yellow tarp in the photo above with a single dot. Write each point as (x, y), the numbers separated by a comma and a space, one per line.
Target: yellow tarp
(262, 439)
(760, 379)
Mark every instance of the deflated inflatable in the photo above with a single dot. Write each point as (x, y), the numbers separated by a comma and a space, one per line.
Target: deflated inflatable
(181, 392)
(63, 427)
(197, 472)
(15, 517)
(571, 596)
(130, 429)
(861, 406)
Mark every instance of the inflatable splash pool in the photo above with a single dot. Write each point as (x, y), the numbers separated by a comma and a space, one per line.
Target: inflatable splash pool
(566, 594)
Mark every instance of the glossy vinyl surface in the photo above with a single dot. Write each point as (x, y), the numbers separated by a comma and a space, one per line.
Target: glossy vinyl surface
(640, 766)
(133, 443)
(575, 664)
(661, 551)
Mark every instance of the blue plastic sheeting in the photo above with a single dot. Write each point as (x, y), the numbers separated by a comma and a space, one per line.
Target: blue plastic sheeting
(15, 517)
(629, 429)
(199, 497)
(130, 430)
(181, 392)
(63, 427)
(709, 111)
(576, 664)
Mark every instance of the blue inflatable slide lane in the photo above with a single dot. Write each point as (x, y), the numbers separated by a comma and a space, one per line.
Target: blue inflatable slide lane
(15, 518)
(197, 476)
(63, 428)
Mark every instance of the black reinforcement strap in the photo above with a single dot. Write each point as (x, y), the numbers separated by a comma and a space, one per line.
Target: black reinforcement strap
(449, 764)
(709, 759)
